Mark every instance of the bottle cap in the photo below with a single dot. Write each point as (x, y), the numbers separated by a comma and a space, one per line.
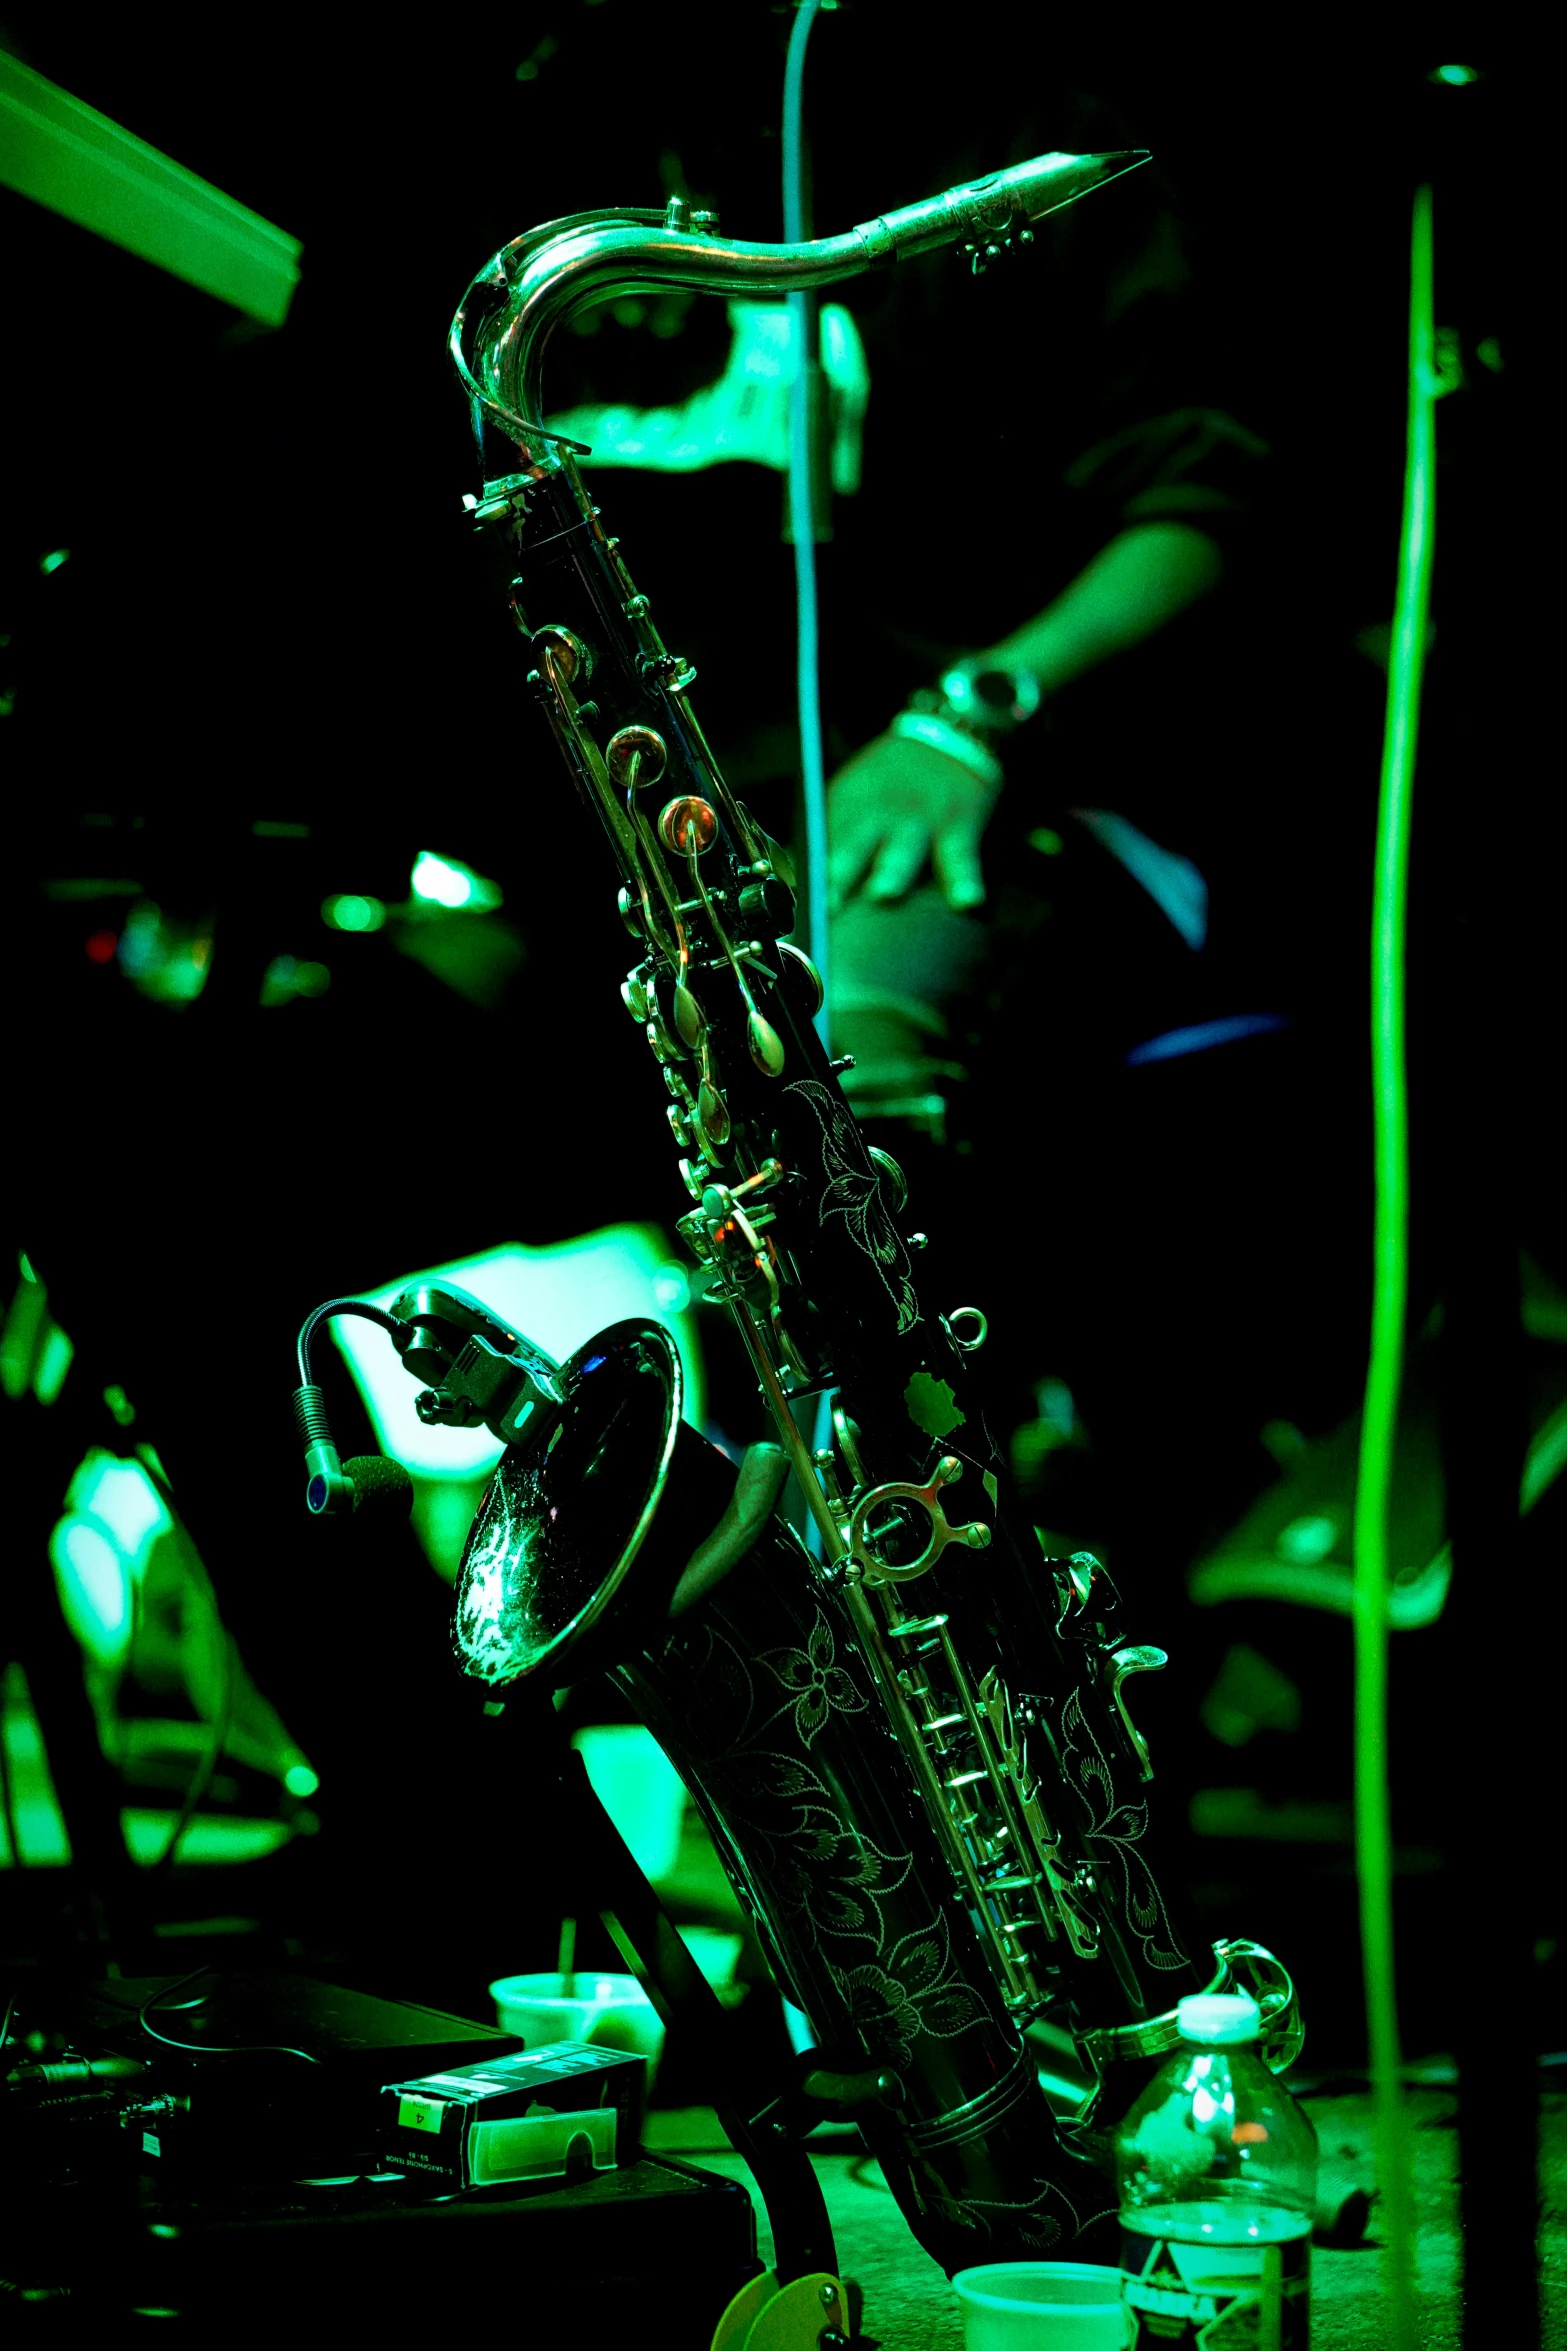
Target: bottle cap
(1219, 2019)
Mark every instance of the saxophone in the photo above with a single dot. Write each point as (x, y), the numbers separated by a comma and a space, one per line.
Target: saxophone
(911, 1741)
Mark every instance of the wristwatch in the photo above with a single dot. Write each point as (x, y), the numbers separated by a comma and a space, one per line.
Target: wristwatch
(989, 698)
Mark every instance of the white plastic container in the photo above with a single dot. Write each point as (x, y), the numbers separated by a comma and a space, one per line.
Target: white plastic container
(611, 2011)
(1042, 2306)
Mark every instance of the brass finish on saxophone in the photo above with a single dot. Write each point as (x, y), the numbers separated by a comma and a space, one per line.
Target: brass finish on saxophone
(916, 1753)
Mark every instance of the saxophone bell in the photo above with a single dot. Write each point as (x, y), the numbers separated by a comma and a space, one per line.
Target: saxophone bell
(606, 1523)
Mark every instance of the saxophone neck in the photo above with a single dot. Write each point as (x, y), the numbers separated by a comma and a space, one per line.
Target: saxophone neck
(556, 272)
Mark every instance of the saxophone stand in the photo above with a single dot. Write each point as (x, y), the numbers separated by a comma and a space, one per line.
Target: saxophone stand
(801, 2303)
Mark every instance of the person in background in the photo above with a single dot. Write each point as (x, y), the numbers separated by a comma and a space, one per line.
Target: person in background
(1069, 957)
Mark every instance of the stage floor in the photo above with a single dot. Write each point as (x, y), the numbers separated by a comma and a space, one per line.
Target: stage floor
(909, 2305)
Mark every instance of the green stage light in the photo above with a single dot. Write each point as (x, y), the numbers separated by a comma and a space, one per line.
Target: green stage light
(100, 1546)
(286, 977)
(351, 911)
(165, 959)
(59, 152)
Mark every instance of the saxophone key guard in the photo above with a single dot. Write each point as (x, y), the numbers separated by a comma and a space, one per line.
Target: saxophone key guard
(868, 1543)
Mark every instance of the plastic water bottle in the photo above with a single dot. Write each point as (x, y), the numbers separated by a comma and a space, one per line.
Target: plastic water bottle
(1217, 2168)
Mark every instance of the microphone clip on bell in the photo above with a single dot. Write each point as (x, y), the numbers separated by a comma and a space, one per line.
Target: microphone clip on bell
(483, 1373)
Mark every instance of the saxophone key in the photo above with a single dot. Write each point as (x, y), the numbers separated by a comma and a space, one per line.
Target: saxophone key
(562, 654)
(690, 1019)
(892, 1174)
(665, 1045)
(636, 756)
(687, 826)
(767, 1048)
(912, 1625)
(712, 1115)
(694, 1233)
(769, 902)
(630, 910)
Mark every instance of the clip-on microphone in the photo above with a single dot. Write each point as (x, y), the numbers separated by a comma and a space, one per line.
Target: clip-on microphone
(483, 1375)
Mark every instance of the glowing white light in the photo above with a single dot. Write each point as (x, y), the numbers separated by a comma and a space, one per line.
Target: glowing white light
(113, 1516)
(671, 1289)
(1306, 1540)
(446, 881)
(95, 1587)
(441, 882)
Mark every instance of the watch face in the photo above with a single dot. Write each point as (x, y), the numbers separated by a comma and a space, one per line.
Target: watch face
(997, 690)
(998, 698)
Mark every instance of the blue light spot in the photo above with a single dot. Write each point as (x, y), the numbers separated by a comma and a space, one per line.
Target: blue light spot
(1204, 1035)
(593, 1363)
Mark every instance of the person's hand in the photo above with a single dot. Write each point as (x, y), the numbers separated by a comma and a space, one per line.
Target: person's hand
(896, 807)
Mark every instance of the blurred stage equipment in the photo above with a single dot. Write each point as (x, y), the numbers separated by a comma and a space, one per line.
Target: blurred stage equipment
(126, 1644)
(65, 155)
(178, 2142)
(916, 1754)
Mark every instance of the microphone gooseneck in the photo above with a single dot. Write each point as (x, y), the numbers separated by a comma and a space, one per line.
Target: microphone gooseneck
(329, 1489)
(332, 1488)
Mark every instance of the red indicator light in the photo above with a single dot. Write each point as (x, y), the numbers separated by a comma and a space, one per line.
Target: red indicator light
(101, 946)
(1249, 2134)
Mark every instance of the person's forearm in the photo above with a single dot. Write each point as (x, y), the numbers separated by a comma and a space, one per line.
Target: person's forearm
(1138, 583)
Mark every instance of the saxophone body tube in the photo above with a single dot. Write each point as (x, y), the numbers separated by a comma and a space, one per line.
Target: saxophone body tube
(916, 1752)
(762, 1699)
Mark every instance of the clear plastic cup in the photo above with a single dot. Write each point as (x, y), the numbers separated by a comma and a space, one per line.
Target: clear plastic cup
(611, 2010)
(1042, 2306)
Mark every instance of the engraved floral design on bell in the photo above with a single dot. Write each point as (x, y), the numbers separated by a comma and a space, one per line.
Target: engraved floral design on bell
(918, 1990)
(821, 1683)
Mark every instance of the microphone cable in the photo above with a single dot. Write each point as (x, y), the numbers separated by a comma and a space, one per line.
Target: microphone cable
(211, 1754)
(1390, 1283)
(802, 525)
(802, 517)
(208, 2048)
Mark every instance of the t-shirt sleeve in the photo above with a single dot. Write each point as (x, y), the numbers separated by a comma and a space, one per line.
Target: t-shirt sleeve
(1199, 465)
(1168, 437)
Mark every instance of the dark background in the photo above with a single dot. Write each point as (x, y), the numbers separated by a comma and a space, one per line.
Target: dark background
(272, 610)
